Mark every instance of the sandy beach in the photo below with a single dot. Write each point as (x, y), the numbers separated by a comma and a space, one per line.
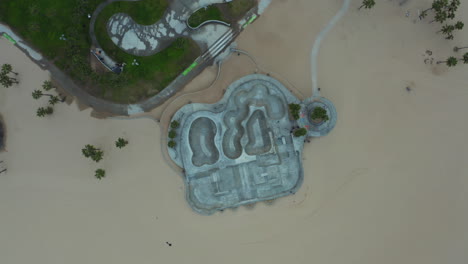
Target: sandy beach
(388, 185)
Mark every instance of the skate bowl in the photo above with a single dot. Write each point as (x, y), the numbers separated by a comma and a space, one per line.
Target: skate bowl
(239, 150)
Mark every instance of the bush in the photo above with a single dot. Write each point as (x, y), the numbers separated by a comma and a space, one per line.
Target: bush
(300, 132)
(175, 124)
(319, 113)
(172, 134)
(294, 109)
(171, 144)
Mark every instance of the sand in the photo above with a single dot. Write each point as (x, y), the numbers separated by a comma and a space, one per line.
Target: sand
(388, 185)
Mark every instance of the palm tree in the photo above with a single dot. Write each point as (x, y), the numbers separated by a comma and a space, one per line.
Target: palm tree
(6, 81)
(47, 85)
(90, 151)
(465, 58)
(451, 61)
(36, 94)
(120, 143)
(43, 111)
(459, 25)
(368, 4)
(54, 100)
(100, 173)
(6, 69)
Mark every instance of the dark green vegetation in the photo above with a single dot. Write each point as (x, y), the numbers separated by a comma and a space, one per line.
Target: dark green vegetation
(120, 143)
(368, 4)
(453, 61)
(90, 151)
(145, 12)
(5, 76)
(294, 109)
(53, 99)
(444, 10)
(100, 173)
(154, 72)
(171, 144)
(319, 114)
(212, 12)
(228, 12)
(42, 23)
(300, 132)
(172, 134)
(175, 124)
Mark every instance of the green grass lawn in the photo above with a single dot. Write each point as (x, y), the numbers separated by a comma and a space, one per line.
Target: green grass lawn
(212, 12)
(42, 22)
(228, 12)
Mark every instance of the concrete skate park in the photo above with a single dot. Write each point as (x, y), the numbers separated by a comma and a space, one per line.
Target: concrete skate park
(240, 150)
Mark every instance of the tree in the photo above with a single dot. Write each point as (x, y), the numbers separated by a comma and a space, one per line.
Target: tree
(300, 132)
(368, 4)
(6, 69)
(120, 143)
(171, 144)
(172, 134)
(6, 81)
(465, 58)
(459, 25)
(43, 111)
(100, 173)
(36, 94)
(47, 85)
(54, 100)
(451, 61)
(90, 151)
(294, 109)
(319, 113)
(175, 124)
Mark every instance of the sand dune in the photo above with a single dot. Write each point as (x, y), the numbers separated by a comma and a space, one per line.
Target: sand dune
(388, 185)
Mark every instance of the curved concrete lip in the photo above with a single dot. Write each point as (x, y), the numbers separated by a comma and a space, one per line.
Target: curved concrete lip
(258, 123)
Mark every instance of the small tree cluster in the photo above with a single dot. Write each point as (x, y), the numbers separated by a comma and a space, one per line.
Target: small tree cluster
(453, 61)
(319, 113)
(173, 133)
(90, 151)
(300, 132)
(443, 10)
(5, 76)
(53, 99)
(295, 109)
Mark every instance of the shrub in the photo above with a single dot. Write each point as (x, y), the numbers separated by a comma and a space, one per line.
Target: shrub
(300, 132)
(172, 134)
(295, 109)
(319, 113)
(171, 144)
(175, 124)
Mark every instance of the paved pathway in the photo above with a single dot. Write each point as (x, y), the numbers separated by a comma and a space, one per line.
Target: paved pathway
(318, 41)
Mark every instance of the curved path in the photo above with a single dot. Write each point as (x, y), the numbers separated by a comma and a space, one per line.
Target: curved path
(318, 41)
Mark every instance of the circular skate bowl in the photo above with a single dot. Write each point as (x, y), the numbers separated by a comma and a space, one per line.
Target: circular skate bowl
(320, 128)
